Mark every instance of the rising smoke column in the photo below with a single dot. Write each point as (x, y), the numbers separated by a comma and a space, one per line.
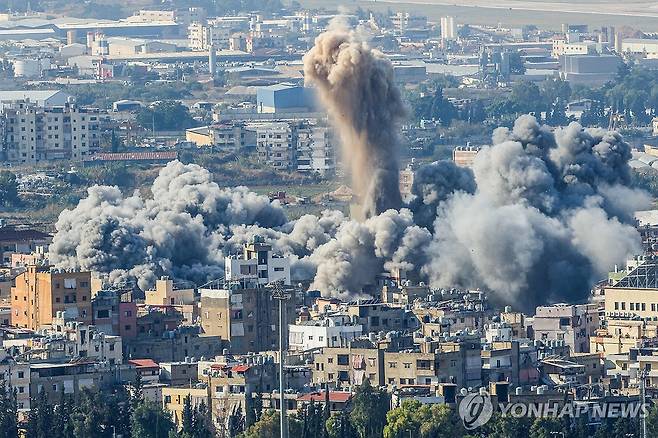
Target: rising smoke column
(355, 84)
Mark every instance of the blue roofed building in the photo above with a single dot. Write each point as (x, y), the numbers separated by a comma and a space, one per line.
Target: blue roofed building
(284, 98)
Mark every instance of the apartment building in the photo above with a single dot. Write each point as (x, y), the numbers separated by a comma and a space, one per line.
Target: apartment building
(245, 314)
(573, 324)
(41, 292)
(222, 136)
(36, 134)
(173, 401)
(329, 331)
(16, 376)
(259, 263)
(276, 144)
(315, 150)
(376, 316)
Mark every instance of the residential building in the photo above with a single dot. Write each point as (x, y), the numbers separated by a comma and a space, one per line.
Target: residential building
(464, 156)
(315, 149)
(179, 373)
(40, 134)
(328, 331)
(20, 240)
(276, 144)
(376, 316)
(259, 263)
(245, 314)
(222, 136)
(571, 323)
(41, 292)
(173, 401)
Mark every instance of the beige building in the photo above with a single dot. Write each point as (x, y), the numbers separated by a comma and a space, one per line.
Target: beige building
(573, 324)
(464, 156)
(36, 134)
(246, 317)
(173, 400)
(167, 294)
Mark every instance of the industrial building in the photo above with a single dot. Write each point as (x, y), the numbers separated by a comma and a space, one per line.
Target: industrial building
(284, 98)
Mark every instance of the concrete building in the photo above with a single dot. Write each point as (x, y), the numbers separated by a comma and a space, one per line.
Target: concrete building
(403, 21)
(572, 324)
(37, 134)
(179, 373)
(258, 263)
(589, 70)
(87, 341)
(464, 156)
(376, 316)
(16, 376)
(315, 149)
(244, 314)
(173, 401)
(41, 98)
(276, 144)
(328, 331)
(24, 241)
(448, 28)
(41, 292)
(230, 137)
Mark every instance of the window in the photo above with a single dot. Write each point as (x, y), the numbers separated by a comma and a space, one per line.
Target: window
(21, 374)
(392, 365)
(617, 305)
(343, 359)
(407, 365)
(623, 305)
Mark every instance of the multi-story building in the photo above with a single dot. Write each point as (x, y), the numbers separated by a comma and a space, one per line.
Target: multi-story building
(16, 376)
(36, 134)
(315, 150)
(572, 323)
(328, 331)
(179, 373)
(464, 156)
(86, 341)
(245, 314)
(376, 316)
(15, 240)
(276, 144)
(173, 400)
(222, 136)
(259, 263)
(41, 292)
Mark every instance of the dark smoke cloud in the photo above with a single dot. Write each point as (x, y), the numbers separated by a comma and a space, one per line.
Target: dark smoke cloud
(355, 84)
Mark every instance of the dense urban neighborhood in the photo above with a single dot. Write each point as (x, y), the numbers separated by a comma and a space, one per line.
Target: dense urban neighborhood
(308, 220)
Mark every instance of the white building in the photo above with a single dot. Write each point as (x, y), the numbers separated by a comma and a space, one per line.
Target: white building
(258, 261)
(36, 134)
(16, 376)
(330, 331)
(86, 341)
(275, 144)
(448, 28)
(315, 150)
(498, 332)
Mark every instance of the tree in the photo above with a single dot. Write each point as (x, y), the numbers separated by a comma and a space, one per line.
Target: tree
(340, 426)
(423, 421)
(526, 97)
(369, 408)
(546, 427)
(40, 419)
(8, 188)
(8, 412)
(652, 421)
(188, 415)
(149, 420)
(166, 115)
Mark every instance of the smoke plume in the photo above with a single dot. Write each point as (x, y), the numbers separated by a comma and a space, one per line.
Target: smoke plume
(355, 84)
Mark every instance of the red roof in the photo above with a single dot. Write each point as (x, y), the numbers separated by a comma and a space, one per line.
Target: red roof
(144, 363)
(334, 396)
(134, 156)
(240, 368)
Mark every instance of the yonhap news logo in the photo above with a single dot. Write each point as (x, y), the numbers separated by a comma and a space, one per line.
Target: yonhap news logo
(475, 410)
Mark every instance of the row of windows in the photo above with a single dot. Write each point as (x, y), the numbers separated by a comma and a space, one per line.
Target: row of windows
(638, 307)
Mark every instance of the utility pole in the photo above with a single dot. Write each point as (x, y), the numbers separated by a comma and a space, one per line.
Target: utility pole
(282, 295)
(643, 420)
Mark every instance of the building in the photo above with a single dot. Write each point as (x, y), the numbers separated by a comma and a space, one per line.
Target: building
(284, 98)
(41, 98)
(315, 149)
(179, 373)
(245, 314)
(328, 331)
(16, 376)
(572, 324)
(41, 292)
(223, 136)
(259, 263)
(403, 21)
(173, 401)
(86, 341)
(448, 28)
(464, 156)
(590, 70)
(276, 144)
(39, 134)
(646, 47)
(15, 240)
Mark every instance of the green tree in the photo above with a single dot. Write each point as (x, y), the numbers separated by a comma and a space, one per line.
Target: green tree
(8, 188)
(526, 97)
(166, 115)
(149, 420)
(188, 415)
(369, 408)
(424, 421)
(40, 419)
(546, 427)
(8, 412)
(652, 421)
(340, 426)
